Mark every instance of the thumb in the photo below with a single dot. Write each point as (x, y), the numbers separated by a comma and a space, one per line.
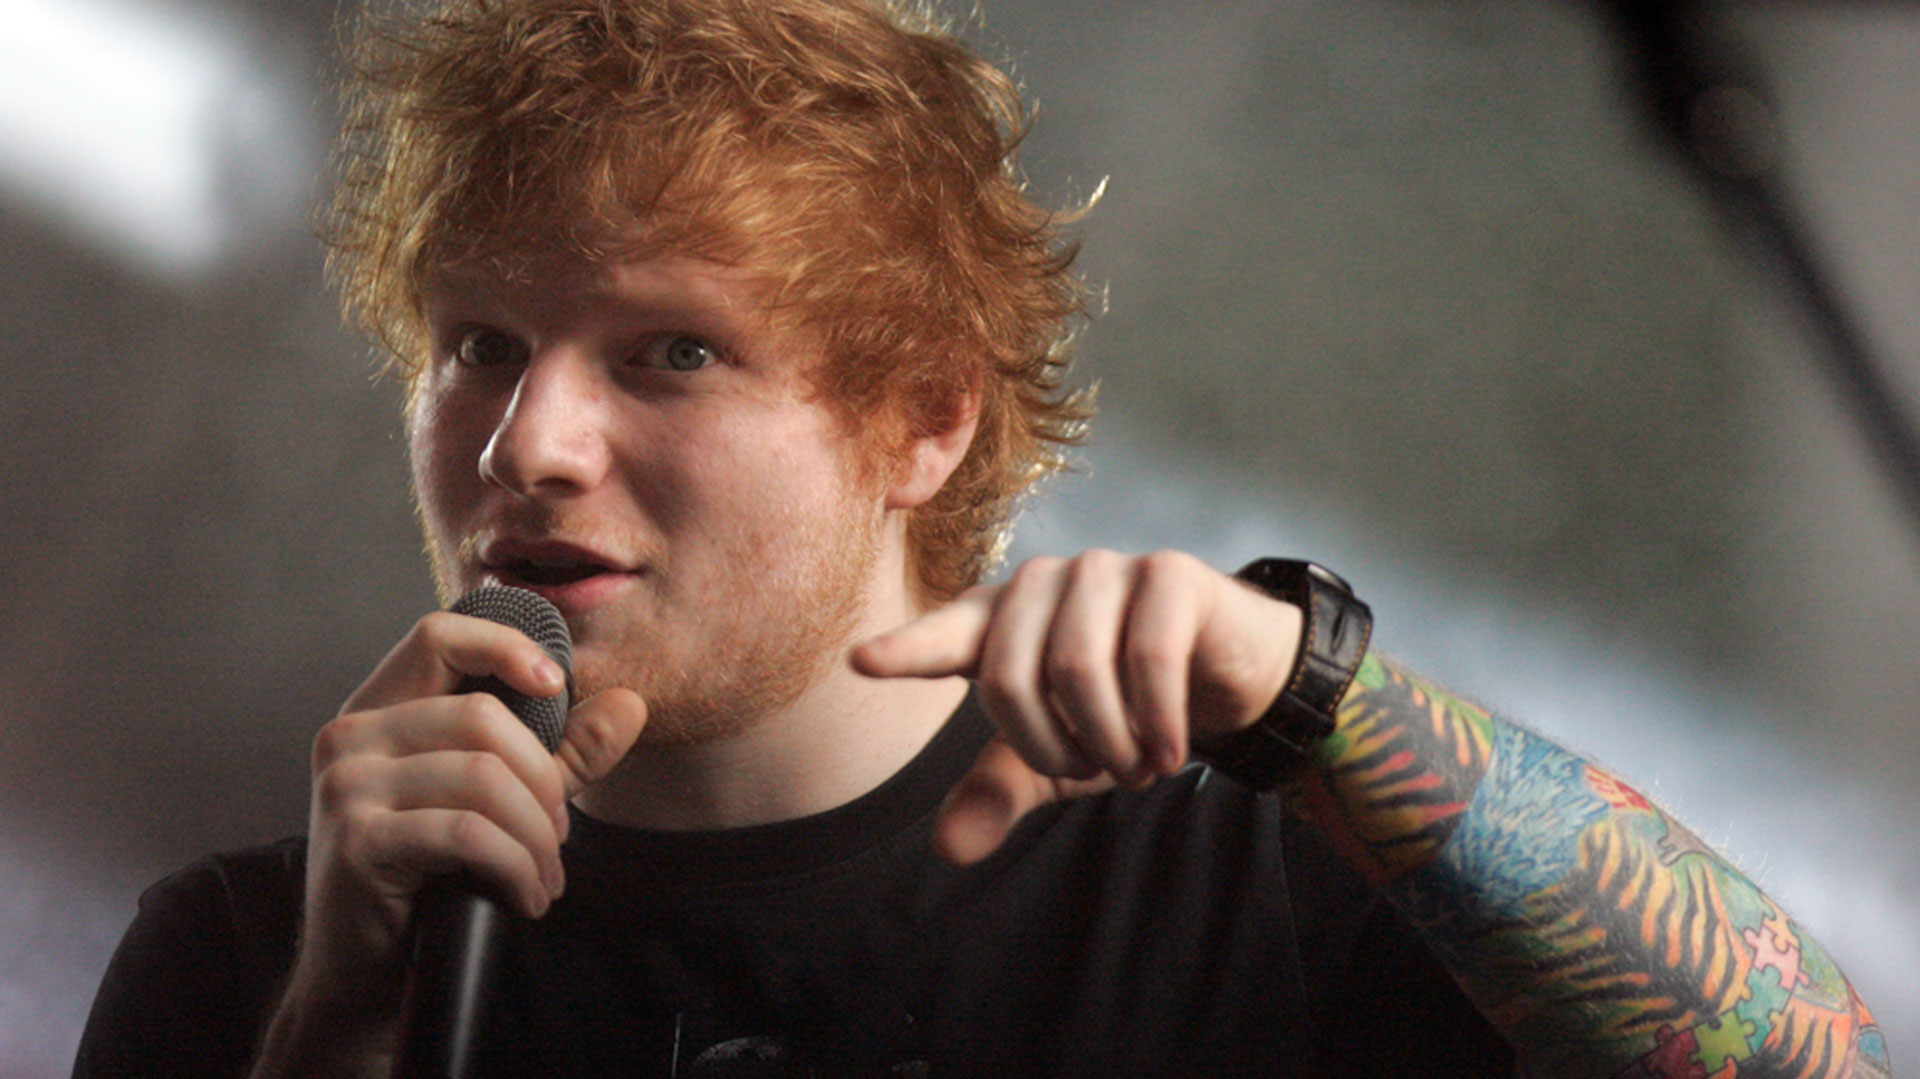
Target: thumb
(982, 809)
(599, 733)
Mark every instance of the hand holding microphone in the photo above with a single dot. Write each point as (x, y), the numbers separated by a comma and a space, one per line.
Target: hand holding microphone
(459, 927)
(420, 778)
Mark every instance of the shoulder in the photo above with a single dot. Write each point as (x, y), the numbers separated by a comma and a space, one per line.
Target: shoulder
(194, 974)
(252, 895)
(237, 911)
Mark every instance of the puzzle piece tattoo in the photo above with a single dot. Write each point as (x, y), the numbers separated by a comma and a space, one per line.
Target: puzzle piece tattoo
(1766, 999)
(1674, 1059)
(1678, 842)
(1726, 1037)
(1775, 945)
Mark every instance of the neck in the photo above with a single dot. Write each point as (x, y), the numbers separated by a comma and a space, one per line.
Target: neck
(843, 736)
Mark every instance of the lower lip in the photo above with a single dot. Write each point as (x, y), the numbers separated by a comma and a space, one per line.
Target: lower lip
(575, 597)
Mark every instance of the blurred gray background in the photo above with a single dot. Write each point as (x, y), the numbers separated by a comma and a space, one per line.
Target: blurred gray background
(1398, 284)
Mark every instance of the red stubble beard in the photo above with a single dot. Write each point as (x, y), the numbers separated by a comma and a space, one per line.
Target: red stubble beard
(794, 588)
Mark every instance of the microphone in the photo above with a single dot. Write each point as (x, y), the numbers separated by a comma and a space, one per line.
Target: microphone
(459, 928)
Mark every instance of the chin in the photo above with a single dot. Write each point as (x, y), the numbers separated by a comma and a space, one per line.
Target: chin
(700, 704)
(673, 731)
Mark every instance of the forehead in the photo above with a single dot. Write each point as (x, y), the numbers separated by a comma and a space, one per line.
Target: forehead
(559, 286)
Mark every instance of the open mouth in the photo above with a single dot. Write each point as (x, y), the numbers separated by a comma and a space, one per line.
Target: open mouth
(558, 571)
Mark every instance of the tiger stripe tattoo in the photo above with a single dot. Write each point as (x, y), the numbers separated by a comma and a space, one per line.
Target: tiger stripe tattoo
(1599, 935)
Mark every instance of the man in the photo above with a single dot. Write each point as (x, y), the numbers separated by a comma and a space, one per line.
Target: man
(726, 328)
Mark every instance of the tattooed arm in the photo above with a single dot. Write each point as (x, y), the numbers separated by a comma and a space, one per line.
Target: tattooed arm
(1594, 930)
(1597, 934)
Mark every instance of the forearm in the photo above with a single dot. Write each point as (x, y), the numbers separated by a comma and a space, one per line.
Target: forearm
(1597, 933)
(344, 1034)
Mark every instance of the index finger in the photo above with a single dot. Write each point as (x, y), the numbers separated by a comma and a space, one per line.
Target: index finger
(445, 649)
(945, 641)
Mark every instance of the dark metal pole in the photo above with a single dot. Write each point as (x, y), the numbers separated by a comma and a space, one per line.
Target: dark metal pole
(1709, 103)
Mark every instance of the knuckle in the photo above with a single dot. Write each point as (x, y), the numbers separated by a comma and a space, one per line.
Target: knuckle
(1095, 562)
(478, 712)
(338, 787)
(483, 771)
(591, 739)
(434, 631)
(1003, 689)
(1035, 570)
(1166, 564)
(466, 835)
(333, 740)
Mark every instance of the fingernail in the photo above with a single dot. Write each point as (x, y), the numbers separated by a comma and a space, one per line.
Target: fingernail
(549, 672)
(1167, 759)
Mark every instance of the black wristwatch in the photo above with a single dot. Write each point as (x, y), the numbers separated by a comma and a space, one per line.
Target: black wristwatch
(1334, 633)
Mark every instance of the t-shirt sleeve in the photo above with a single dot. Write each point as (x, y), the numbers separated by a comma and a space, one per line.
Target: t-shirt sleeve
(1382, 1004)
(190, 987)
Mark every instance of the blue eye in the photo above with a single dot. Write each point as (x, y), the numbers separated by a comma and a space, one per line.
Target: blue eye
(484, 346)
(678, 352)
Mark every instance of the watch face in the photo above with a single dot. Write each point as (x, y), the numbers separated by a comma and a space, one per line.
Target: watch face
(1290, 578)
(1315, 569)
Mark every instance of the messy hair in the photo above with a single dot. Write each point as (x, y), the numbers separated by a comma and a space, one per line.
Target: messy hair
(851, 155)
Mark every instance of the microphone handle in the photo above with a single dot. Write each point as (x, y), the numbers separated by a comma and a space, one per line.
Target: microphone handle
(459, 932)
(459, 928)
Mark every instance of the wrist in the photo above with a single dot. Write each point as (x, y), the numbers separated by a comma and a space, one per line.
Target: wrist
(327, 1025)
(304, 1040)
(1335, 628)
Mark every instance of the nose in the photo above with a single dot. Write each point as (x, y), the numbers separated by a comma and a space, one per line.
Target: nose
(551, 440)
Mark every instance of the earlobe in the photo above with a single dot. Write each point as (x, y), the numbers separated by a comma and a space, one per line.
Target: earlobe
(930, 459)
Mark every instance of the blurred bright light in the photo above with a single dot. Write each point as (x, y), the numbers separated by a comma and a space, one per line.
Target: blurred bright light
(146, 129)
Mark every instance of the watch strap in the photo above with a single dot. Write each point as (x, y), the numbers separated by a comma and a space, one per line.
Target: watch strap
(1335, 629)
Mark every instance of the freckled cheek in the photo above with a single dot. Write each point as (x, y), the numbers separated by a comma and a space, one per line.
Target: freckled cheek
(687, 464)
(445, 458)
(770, 487)
(685, 489)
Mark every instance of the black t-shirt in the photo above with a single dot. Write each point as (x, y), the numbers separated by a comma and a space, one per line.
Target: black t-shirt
(1192, 929)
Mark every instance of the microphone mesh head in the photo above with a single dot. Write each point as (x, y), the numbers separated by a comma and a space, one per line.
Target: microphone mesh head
(531, 614)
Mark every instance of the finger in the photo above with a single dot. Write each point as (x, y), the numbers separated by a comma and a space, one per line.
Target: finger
(472, 722)
(1082, 651)
(480, 783)
(943, 642)
(983, 808)
(1011, 684)
(405, 849)
(600, 732)
(445, 649)
(1157, 654)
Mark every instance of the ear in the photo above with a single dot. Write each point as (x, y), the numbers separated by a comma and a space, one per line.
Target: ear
(930, 459)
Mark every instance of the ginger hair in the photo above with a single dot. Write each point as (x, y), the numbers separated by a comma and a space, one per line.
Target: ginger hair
(852, 155)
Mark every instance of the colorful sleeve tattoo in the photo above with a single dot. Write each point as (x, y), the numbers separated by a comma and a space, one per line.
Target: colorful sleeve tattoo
(1598, 934)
